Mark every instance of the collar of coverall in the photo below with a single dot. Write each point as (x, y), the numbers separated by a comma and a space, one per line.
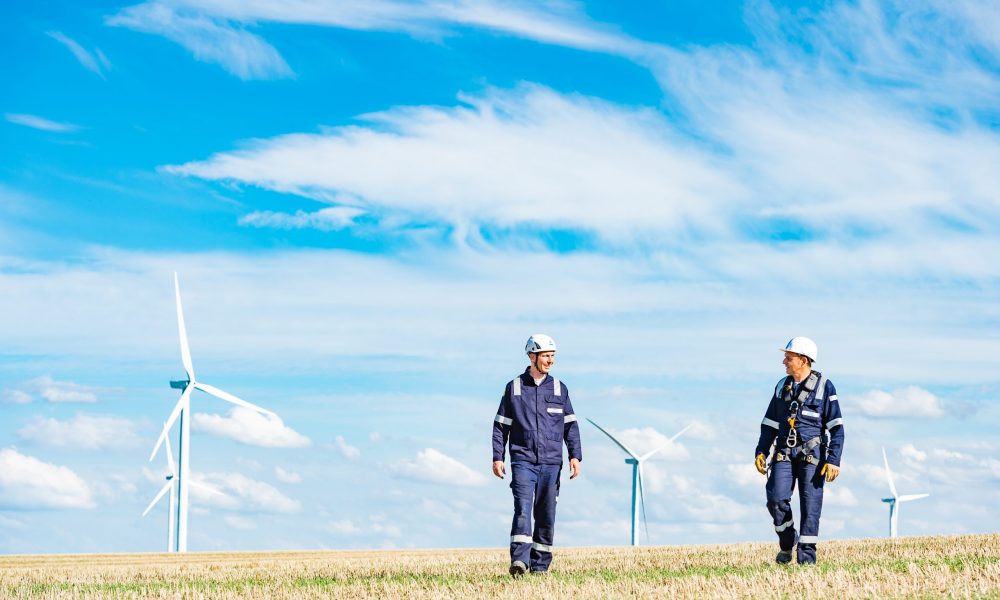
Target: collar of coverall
(528, 379)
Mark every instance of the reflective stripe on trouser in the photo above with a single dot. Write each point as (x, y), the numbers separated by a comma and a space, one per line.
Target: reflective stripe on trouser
(784, 477)
(536, 490)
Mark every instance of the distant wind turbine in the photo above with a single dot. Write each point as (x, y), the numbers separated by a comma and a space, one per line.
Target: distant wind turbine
(182, 411)
(896, 498)
(171, 488)
(636, 461)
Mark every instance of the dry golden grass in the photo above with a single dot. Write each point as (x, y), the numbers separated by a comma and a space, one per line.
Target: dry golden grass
(959, 567)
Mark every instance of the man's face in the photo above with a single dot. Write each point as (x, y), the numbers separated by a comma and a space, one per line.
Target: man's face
(793, 362)
(543, 361)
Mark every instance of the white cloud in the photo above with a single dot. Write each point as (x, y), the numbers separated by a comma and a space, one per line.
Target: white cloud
(241, 523)
(375, 437)
(745, 475)
(15, 397)
(907, 403)
(86, 432)
(287, 476)
(349, 451)
(326, 219)
(434, 466)
(211, 40)
(250, 427)
(215, 29)
(532, 156)
(910, 452)
(57, 391)
(838, 495)
(343, 527)
(239, 492)
(96, 63)
(28, 483)
(41, 123)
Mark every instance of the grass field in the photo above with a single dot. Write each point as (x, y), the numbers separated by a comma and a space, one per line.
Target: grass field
(931, 567)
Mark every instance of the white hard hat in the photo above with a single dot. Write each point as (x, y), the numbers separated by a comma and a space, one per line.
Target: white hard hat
(539, 342)
(803, 346)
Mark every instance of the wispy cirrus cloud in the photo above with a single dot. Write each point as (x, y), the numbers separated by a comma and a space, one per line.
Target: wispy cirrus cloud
(86, 432)
(41, 123)
(250, 427)
(213, 40)
(215, 30)
(95, 62)
(29, 483)
(332, 218)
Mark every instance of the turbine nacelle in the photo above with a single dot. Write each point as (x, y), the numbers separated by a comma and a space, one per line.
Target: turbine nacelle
(180, 385)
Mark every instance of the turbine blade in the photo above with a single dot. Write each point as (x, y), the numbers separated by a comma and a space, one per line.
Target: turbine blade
(642, 502)
(163, 491)
(909, 497)
(615, 440)
(170, 421)
(185, 349)
(170, 456)
(888, 474)
(211, 389)
(670, 441)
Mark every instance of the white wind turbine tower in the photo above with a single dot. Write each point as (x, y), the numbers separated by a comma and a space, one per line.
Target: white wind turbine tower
(636, 461)
(182, 410)
(896, 498)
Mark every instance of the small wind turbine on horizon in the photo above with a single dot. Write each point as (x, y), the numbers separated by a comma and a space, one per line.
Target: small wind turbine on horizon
(636, 461)
(896, 498)
(171, 487)
(182, 412)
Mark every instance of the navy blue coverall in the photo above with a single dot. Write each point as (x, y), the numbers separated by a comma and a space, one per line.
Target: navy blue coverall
(535, 420)
(817, 414)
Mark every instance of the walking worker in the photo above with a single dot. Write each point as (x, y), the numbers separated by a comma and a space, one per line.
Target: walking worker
(804, 416)
(536, 417)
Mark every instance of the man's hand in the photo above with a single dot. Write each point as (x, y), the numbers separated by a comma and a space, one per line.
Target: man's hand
(761, 464)
(574, 468)
(831, 472)
(498, 469)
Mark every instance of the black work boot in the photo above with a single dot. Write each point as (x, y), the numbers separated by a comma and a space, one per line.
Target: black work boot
(517, 568)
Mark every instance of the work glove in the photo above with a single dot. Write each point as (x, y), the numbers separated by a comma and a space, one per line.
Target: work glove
(761, 464)
(830, 471)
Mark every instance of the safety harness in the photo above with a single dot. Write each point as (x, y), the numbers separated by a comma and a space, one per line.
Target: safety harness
(792, 442)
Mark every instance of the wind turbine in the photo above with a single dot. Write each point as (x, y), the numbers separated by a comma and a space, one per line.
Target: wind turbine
(636, 461)
(171, 487)
(182, 411)
(893, 509)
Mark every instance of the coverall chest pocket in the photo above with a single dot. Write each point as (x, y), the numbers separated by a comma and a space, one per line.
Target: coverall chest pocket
(811, 412)
(555, 410)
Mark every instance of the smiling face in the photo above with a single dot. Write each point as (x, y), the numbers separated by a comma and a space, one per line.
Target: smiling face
(796, 365)
(541, 363)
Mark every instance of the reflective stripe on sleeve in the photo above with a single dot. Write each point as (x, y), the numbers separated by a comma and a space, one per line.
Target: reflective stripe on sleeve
(835, 423)
(541, 547)
(503, 420)
(769, 423)
(808, 539)
(569, 418)
(833, 398)
(520, 539)
(783, 526)
(515, 387)
(556, 387)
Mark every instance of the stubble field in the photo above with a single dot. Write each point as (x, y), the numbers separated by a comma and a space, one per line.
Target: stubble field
(930, 567)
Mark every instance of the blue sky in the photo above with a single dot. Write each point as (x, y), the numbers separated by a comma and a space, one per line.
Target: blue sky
(371, 205)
